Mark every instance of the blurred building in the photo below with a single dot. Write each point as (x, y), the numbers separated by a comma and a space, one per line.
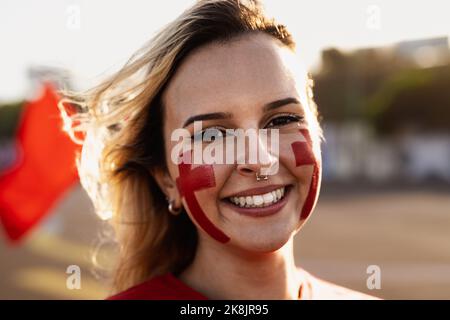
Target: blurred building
(425, 52)
(353, 152)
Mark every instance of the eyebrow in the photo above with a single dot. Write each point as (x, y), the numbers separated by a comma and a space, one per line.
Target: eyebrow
(227, 115)
(208, 116)
(280, 103)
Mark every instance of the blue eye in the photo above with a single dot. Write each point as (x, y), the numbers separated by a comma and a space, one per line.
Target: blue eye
(284, 120)
(209, 134)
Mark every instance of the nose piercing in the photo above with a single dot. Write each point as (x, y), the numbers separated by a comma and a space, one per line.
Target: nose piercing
(261, 177)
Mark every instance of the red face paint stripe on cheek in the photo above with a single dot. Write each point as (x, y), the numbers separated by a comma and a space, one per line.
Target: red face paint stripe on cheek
(191, 180)
(304, 155)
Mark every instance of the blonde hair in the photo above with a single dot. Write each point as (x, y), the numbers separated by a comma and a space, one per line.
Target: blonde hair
(121, 126)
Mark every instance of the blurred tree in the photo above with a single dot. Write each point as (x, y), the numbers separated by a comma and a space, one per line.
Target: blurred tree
(418, 99)
(383, 89)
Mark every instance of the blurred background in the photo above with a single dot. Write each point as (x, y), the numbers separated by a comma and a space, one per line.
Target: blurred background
(382, 84)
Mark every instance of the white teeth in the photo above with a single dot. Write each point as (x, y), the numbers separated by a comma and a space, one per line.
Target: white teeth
(278, 192)
(268, 198)
(260, 200)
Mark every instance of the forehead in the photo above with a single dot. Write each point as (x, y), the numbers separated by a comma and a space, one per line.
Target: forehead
(243, 73)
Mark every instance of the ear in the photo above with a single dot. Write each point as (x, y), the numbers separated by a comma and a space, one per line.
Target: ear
(167, 185)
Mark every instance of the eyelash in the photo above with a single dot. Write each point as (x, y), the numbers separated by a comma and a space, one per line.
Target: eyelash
(291, 117)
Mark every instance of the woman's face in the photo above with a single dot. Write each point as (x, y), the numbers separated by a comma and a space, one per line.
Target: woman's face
(231, 86)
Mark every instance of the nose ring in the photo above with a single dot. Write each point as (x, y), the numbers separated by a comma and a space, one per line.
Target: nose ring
(261, 177)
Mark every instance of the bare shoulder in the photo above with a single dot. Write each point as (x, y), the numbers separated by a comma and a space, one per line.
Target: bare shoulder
(320, 289)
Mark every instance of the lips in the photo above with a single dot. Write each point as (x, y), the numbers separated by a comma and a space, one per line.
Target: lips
(257, 191)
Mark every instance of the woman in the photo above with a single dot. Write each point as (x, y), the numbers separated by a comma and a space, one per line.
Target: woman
(206, 230)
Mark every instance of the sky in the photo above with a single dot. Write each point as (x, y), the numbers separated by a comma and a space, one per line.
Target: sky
(93, 38)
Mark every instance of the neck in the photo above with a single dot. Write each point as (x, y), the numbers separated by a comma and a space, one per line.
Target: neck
(223, 272)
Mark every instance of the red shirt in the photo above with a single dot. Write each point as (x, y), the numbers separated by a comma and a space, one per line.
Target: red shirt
(169, 287)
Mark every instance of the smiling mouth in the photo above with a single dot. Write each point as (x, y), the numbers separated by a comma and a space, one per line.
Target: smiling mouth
(259, 200)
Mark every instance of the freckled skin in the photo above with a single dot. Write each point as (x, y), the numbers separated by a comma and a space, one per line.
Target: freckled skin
(304, 155)
(240, 77)
(191, 180)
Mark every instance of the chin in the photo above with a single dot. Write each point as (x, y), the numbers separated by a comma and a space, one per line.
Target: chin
(262, 242)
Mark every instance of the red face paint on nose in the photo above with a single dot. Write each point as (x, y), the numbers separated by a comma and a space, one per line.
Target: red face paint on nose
(191, 180)
(304, 155)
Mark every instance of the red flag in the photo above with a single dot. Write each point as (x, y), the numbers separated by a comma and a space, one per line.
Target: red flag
(44, 169)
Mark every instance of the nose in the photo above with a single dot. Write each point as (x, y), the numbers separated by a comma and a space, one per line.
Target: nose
(248, 169)
(264, 163)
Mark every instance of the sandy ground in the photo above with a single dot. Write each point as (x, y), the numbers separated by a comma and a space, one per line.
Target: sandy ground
(404, 232)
